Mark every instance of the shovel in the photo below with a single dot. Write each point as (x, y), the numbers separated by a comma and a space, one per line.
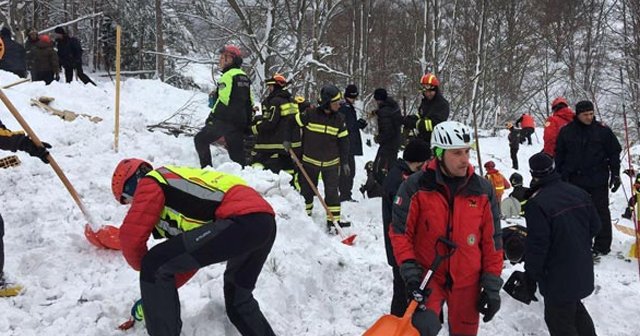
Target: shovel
(106, 236)
(347, 240)
(390, 325)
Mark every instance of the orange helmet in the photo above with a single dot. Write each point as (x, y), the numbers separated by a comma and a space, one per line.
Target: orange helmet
(124, 171)
(231, 50)
(558, 101)
(276, 79)
(430, 79)
(490, 165)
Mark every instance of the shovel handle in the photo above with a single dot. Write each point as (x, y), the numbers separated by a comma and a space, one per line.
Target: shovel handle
(52, 162)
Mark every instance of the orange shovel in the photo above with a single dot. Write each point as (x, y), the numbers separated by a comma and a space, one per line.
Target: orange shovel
(347, 240)
(390, 325)
(103, 237)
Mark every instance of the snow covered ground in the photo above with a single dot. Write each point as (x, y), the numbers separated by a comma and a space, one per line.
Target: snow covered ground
(311, 284)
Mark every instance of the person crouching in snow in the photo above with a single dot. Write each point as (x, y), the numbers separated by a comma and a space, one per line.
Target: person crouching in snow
(498, 181)
(447, 199)
(207, 217)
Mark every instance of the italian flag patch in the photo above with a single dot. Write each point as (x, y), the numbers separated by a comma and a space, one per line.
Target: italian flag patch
(397, 200)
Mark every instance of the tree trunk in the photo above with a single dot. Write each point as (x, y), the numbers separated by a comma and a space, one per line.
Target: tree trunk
(159, 42)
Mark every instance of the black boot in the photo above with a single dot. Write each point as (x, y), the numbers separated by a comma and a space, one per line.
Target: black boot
(627, 213)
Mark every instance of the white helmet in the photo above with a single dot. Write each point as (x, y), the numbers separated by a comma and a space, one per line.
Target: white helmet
(451, 135)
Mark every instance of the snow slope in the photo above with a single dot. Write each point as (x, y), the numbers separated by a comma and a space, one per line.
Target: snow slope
(311, 284)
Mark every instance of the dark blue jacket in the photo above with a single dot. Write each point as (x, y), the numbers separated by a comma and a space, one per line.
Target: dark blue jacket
(389, 123)
(587, 154)
(351, 119)
(14, 59)
(397, 174)
(561, 221)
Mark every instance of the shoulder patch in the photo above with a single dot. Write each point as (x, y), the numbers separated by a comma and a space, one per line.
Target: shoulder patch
(397, 200)
(546, 124)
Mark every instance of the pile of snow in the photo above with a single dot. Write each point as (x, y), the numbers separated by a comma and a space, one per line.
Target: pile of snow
(311, 284)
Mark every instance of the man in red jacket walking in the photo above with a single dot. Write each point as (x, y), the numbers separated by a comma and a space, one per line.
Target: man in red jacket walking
(207, 217)
(528, 126)
(448, 200)
(562, 115)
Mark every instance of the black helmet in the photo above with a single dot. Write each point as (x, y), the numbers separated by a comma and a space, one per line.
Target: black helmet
(514, 248)
(328, 94)
(515, 179)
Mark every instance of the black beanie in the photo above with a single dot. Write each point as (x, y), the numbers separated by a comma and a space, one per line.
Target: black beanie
(584, 106)
(351, 91)
(416, 150)
(380, 94)
(541, 164)
(59, 30)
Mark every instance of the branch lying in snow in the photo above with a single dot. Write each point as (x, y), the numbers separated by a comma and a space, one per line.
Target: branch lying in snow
(180, 57)
(90, 16)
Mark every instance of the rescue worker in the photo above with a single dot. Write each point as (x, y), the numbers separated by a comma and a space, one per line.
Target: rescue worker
(520, 192)
(232, 111)
(514, 144)
(206, 217)
(354, 125)
(527, 124)
(498, 181)
(274, 130)
(325, 148)
(434, 108)
(389, 123)
(562, 115)
(446, 199)
(70, 56)
(16, 141)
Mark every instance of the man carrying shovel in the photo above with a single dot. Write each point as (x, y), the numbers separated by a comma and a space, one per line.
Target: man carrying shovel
(447, 199)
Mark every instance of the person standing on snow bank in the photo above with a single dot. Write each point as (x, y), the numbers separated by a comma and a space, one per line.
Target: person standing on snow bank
(207, 217)
(354, 125)
(16, 141)
(562, 115)
(514, 144)
(447, 199)
(588, 156)
(232, 110)
(561, 221)
(70, 56)
(388, 137)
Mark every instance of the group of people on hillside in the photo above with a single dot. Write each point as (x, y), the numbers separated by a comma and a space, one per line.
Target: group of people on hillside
(434, 205)
(40, 58)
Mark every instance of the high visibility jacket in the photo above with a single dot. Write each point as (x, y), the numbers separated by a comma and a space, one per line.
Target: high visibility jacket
(498, 181)
(171, 200)
(424, 210)
(233, 102)
(431, 113)
(325, 140)
(12, 141)
(277, 124)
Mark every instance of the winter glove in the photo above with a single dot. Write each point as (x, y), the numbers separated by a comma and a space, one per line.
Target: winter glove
(287, 146)
(361, 123)
(521, 287)
(28, 146)
(489, 302)
(411, 272)
(614, 183)
(346, 170)
(410, 121)
(137, 312)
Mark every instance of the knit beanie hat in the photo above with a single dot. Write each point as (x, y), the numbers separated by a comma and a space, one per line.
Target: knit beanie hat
(351, 91)
(5, 32)
(380, 94)
(541, 164)
(59, 30)
(584, 106)
(416, 150)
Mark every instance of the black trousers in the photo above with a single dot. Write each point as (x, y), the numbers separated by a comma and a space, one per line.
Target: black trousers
(46, 76)
(385, 157)
(213, 131)
(600, 198)
(244, 242)
(68, 74)
(1, 245)
(571, 319)
(399, 301)
(346, 181)
(329, 179)
(514, 157)
(526, 134)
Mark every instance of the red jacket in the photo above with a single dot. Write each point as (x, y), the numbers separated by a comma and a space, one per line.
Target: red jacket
(147, 206)
(474, 218)
(552, 128)
(526, 121)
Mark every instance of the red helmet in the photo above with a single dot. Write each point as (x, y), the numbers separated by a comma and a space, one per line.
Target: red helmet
(490, 165)
(45, 38)
(559, 100)
(126, 169)
(430, 79)
(277, 79)
(231, 50)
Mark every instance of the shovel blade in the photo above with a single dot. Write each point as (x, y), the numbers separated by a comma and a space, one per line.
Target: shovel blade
(349, 240)
(390, 325)
(107, 237)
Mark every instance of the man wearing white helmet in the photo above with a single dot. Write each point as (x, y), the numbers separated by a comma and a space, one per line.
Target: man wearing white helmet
(446, 199)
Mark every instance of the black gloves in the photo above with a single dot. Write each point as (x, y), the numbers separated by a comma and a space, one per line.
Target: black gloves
(521, 287)
(614, 183)
(28, 146)
(489, 302)
(411, 272)
(361, 123)
(409, 121)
